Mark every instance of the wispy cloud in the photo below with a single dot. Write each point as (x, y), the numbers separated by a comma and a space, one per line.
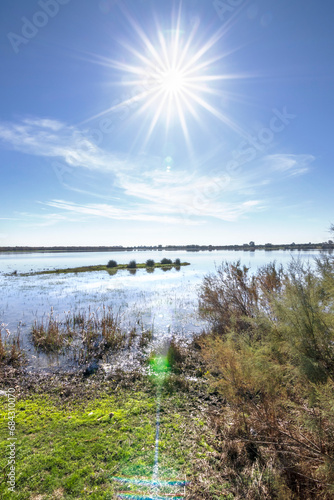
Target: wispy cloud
(289, 164)
(111, 212)
(142, 188)
(52, 139)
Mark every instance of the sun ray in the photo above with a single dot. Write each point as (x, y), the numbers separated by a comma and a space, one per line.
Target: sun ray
(173, 76)
(155, 119)
(218, 114)
(183, 122)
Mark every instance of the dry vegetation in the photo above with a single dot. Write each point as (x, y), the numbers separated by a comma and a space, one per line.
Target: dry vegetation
(271, 355)
(11, 353)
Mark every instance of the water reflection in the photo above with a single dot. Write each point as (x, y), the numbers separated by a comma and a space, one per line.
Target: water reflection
(132, 271)
(112, 271)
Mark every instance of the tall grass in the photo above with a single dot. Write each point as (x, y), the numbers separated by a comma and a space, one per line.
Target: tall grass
(271, 354)
(11, 352)
(87, 335)
(47, 335)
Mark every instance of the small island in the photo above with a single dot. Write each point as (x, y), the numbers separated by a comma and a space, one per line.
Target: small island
(112, 267)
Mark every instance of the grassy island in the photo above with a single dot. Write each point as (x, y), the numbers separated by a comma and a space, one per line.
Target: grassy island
(112, 269)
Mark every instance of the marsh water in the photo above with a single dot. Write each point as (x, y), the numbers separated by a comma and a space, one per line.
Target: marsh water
(164, 301)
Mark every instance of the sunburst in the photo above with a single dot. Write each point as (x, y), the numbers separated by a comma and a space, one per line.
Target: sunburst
(173, 77)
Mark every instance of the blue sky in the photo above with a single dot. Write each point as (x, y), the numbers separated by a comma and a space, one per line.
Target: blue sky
(137, 122)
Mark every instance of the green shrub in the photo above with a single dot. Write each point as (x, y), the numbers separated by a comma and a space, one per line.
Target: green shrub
(166, 261)
(132, 264)
(229, 298)
(150, 263)
(112, 263)
(273, 361)
(177, 262)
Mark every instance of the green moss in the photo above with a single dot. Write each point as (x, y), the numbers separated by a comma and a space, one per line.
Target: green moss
(72, 450)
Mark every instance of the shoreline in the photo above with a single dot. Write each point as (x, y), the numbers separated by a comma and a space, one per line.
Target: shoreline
(169, 248)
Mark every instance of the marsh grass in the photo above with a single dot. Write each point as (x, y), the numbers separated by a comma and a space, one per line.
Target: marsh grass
(11, 352)
(85, 335)
(112, 333)
(51, 335)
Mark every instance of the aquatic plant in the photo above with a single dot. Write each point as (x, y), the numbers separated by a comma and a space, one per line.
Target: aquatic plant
(47, 337)
(112, 334)
(51, 335)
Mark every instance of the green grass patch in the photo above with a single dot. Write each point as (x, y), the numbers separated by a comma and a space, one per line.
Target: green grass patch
(86, 269)
(72, 448)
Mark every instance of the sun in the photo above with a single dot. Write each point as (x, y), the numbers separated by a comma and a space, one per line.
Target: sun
(171, 75)
(173, 81)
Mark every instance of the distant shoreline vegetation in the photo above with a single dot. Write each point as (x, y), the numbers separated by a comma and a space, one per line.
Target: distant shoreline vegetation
(112, 267)
(327, 245)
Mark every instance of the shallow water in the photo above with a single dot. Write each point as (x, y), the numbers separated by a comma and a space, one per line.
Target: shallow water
(164, 300)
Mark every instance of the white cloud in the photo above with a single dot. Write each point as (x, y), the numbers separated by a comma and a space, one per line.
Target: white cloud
(49, 138)
(149, 192)
(111, 212)
(289, 164)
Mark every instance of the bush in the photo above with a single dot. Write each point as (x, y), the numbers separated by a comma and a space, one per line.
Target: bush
(177, 262)
(150, 263)
(166, 261)
(132, 264)
(273, 361)
(229, 297)
(112, 263)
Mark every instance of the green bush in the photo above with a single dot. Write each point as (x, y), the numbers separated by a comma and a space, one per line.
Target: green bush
(177, 262)
(166, 261)
(150, 263)
(271, 355)
(112, 263)
(132, 264)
